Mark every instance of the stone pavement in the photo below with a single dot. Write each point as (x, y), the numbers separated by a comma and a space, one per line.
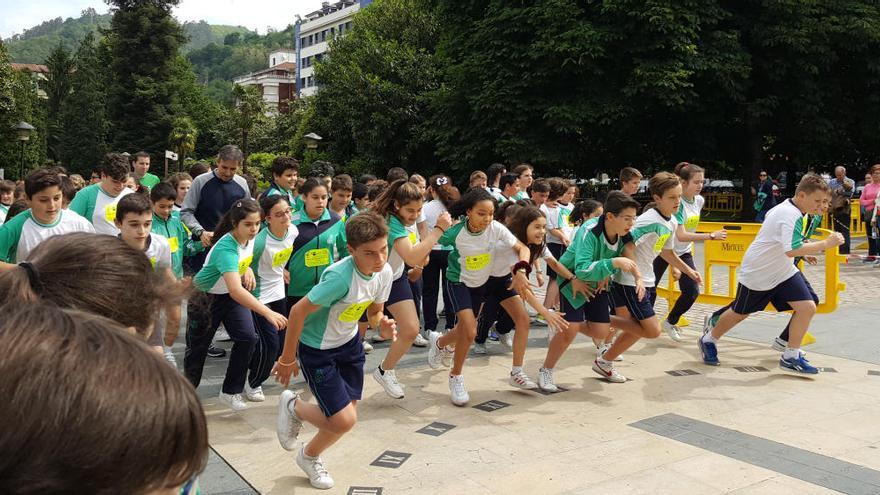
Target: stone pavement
(676, 427)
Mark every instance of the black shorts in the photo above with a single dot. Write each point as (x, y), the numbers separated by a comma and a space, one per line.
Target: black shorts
(624, 296)
(400, 291)
(784, 306)
(595, 310)
(335, 376)
(795, 288)
(463, 297)
(556, 250)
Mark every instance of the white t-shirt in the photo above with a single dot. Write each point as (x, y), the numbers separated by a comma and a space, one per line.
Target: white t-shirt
(159, 252)
(22, 233)
(651, 233)
(396, 230)
(688, 215)
(765, 264)
(432, 211)
(271, 255)
(505, 260)
(554, 217)
(343, 294)
(472, 255)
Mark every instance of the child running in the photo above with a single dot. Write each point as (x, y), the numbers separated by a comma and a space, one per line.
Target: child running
(285, 172)
(273, 247)
(45, 218)
(557, 234)
(596, 255)
(401, 204)
(687, 218)
(97, 203)
(322, 340)
(634, 297)
(476, 240)
(228, 302)
(767, 275)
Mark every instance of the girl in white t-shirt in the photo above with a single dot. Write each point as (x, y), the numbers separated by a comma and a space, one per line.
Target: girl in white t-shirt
(476, 241)
(443, 194)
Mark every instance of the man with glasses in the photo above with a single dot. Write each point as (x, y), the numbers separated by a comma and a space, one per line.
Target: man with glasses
(764, 200)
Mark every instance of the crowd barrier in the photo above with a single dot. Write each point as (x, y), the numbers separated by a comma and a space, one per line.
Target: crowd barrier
(857, 224)
(723, 202)
(729, 253)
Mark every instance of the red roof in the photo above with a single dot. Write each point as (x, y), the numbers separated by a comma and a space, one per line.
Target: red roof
(37, 68)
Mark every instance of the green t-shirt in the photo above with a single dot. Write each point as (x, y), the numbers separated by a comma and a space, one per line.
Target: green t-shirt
(227, 255)
(149, 180)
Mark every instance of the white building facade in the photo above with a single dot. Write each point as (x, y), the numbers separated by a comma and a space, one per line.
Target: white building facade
(277, 83)
(313, 35)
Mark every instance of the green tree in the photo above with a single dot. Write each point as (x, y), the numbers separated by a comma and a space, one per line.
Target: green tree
(144, 40)
(57, 87)
(20, 101)
(249, 110)
(183, 138)
(373, 98)
(84, 116)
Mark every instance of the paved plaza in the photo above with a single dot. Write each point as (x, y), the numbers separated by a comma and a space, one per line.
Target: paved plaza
(677, 426)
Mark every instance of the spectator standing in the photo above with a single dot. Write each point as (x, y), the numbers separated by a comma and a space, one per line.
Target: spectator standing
(842, 188)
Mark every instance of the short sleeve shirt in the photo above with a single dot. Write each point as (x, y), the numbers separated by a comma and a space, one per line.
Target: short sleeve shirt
(765, 264)
(343, 294)
(472, 255)
(99, 207)
(651, 234)
(159, 252)
(432, 210)
(396, 230)
(226, 256)
(21, 234)
(688, 215)
(271, 255)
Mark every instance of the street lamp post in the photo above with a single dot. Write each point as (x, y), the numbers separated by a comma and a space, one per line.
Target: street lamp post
(24, 130)
(312, 140)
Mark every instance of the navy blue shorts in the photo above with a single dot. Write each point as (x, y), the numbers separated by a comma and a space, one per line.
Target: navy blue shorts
(624, 296)
(463, 297)
(556, 250)
(400, 291)
(795, 288)
(335, 376)
(595, 310)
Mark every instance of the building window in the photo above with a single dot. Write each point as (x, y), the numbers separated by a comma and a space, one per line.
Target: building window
(302, 82)
(348, 25)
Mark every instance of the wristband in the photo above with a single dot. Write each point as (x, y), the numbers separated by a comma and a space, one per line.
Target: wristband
(441, 228)
(711, 236)
(286, 365)
(522, 265)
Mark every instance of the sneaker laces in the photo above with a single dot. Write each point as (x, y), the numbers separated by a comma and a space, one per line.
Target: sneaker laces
(320, 470)
(458, 385)
(548, 374)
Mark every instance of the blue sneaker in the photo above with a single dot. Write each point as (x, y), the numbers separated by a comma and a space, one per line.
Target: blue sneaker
(493, 336)
(709, 351)
(799, 366)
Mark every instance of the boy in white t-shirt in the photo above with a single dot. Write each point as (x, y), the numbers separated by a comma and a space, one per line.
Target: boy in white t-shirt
(45, 218)
(134, 220)
(767, 275)
(97, 203)
(322, 339)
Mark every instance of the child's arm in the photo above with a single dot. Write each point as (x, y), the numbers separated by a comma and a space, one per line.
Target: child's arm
(377, 319)
(286, 364)
(520, 279)
(684, 236)
(414, 255)
(675, 262)
(238, 294)
(577, 285)
(808, 248)
(559, 233)
(552, 318)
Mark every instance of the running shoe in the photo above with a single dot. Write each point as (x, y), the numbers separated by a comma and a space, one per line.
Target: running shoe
(389, 382)
(315, 470)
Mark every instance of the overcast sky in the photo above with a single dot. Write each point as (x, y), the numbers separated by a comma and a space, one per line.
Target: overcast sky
(18, 15)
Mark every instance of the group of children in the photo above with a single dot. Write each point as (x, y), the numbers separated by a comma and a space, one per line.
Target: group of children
(299, 275)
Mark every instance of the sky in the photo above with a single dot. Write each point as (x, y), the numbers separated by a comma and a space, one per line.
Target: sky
(18, 15)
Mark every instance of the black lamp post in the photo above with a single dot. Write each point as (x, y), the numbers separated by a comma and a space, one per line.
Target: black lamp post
(24, 130)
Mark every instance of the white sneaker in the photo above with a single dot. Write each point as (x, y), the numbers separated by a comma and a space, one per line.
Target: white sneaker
(457, 392)
(435, 354)
(480, 348)
(420, 341)
(368, 348)
(234, 401)
(779, 344)
(604, 347)
(389, 382)
(222, 335)
(545, 380)
(521, 380)
(169, 356)
(606, 369)
(446, 356)
(506, 340)
(289, 425)
(253, 394)
(315, 470)
(672, 330)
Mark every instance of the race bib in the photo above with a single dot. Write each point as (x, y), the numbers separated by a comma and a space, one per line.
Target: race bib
(413, 238)
(354, 312)
(174, 244)
(661, 241)
(317, 257)
(566, 221)
(153, 262)
(692, 222)
(244, 264)
(477, 262)
(281, 257)
(110, 213)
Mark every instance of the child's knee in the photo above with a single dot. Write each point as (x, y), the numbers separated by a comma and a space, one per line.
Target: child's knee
(343, 423)
(468, 333)
(407, 332)
(652, 330)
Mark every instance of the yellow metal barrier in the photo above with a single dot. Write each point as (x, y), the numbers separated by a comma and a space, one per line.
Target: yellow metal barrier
(857, 224)
(730, 252)
(723, 202)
